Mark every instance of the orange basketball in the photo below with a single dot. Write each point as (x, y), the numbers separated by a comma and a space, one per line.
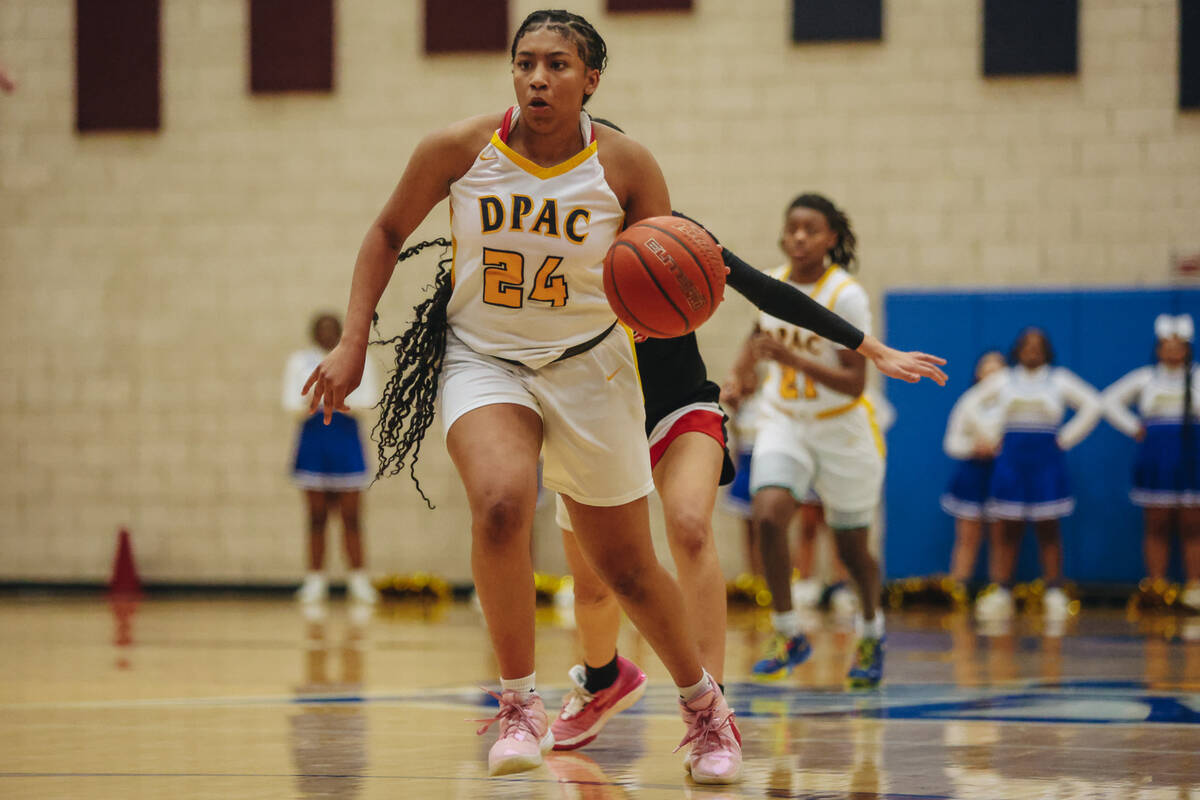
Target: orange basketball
(664, 276)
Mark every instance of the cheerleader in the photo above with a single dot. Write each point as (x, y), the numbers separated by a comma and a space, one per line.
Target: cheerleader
(329, 465)
(966, 441)
(1029, 481)
(1166, 471)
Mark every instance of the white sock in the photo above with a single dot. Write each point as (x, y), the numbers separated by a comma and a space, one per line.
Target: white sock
(357, 575)
(519, 685)
(315, 576)
(786, 623)
(869, 630)
(689, 693)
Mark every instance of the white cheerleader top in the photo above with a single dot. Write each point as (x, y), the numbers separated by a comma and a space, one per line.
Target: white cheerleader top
(528, 244)
(971, 423)
(1035, 400)
(1157, 391)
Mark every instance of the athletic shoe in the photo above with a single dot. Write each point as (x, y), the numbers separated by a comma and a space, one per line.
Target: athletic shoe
(360, 590)
(867, 670)
(782, 656)
(716, 754)
(807, 593)
(995, 604)
(314, 589)
(1056, 604)
(583, 713)
(524, 733)
(1189, 598)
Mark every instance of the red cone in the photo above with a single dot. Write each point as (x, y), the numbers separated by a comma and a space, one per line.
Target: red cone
(125, 580)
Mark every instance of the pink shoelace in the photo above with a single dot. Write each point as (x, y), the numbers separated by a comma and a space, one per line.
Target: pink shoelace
(705, 730)
(511, 711)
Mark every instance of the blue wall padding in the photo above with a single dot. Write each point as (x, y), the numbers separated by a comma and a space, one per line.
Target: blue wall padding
(1099, 334)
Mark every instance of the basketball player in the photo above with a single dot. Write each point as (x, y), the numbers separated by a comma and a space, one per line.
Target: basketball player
(1166, 473)
(818, 431)
(533, 361)
(1029, 480)
(685, 427)
(330, 467)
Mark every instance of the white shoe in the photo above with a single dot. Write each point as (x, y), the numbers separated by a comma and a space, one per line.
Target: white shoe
(1189, 598)
(995, 604)
(314, 589)
(806, 593)
(843, 602)
(360, 590)
(1056, 604)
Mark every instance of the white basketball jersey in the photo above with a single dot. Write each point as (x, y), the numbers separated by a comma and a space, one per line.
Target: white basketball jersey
(528, 246)
(791, 392)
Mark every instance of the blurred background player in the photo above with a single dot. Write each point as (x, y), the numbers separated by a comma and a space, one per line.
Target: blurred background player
(967, 441)
(818, 431)
(330, 467)
(1029, 480)
(736, 498)
(1166, 470)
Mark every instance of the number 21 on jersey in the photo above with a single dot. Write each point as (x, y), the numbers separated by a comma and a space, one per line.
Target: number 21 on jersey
(788, 389)
(504, 280)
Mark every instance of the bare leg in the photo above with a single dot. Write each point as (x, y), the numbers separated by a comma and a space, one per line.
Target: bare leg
(968, 534)
(687, 476)
(351, 503)
(616, 542)
(1050, 549)
(1006, 540)
(316, 529)
(811, 521)
(753, 551)
(853, 549)
(1156, 544)
(1189, 536)
(597, 614)
(495, 449)
(772, 510)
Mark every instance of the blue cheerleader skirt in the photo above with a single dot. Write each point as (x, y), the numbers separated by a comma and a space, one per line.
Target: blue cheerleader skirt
(967, 494)
(1162, 475)
(737, 494)
(1029, 479)
(330, 457)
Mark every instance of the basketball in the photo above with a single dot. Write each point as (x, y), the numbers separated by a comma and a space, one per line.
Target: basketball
(664, 276)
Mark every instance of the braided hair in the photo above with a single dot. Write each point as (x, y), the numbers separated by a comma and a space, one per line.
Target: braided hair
(407, 407)
(842, 253)
(572, 27)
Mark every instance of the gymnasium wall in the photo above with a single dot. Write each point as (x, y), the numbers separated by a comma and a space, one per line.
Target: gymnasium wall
(152, 284)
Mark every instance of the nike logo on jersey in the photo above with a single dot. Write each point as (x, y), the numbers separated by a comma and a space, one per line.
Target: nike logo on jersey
(614, 374)
(488, 158)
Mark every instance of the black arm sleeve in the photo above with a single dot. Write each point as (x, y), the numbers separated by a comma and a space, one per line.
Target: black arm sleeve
(788, 303)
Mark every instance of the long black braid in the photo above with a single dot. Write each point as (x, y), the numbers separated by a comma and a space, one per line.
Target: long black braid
(842, 252)
(408, 405)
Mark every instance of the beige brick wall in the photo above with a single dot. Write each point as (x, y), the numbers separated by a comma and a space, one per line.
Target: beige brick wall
(152, 285)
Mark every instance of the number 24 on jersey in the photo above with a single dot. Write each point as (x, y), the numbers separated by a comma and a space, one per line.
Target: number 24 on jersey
(504, 280)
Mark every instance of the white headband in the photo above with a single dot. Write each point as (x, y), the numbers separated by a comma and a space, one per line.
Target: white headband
(1169, 327)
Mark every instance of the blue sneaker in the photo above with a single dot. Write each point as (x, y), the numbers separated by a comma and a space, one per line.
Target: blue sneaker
(867, 670)
(781, 657)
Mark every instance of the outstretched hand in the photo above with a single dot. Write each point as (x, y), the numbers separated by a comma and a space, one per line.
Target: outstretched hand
(334, 378)
(907, 366)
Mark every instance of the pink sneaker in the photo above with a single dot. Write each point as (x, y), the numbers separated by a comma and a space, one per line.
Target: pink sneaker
(584, 714)
(716, 754)
(524, 733)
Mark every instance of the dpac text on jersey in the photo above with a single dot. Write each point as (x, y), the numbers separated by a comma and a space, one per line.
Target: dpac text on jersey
(493, 214)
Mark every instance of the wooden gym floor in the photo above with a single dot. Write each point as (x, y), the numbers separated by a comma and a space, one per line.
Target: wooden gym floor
(252, 698)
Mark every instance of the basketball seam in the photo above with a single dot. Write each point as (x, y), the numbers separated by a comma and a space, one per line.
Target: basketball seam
(643, 328)
(699, 263)
(686, 322)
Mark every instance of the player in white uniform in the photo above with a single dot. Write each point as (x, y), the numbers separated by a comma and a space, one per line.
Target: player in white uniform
(534, 363)
(1029, 481)
(967, 441)
(817, 431)
(1166, 473)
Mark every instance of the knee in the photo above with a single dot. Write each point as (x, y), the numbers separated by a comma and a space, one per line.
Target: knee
(316, 519)
(591, 594)
(690, 534)
(628, 581)
(500, 523)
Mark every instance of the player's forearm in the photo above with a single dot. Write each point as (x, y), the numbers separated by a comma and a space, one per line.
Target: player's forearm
(372, 272)
(846, 380)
